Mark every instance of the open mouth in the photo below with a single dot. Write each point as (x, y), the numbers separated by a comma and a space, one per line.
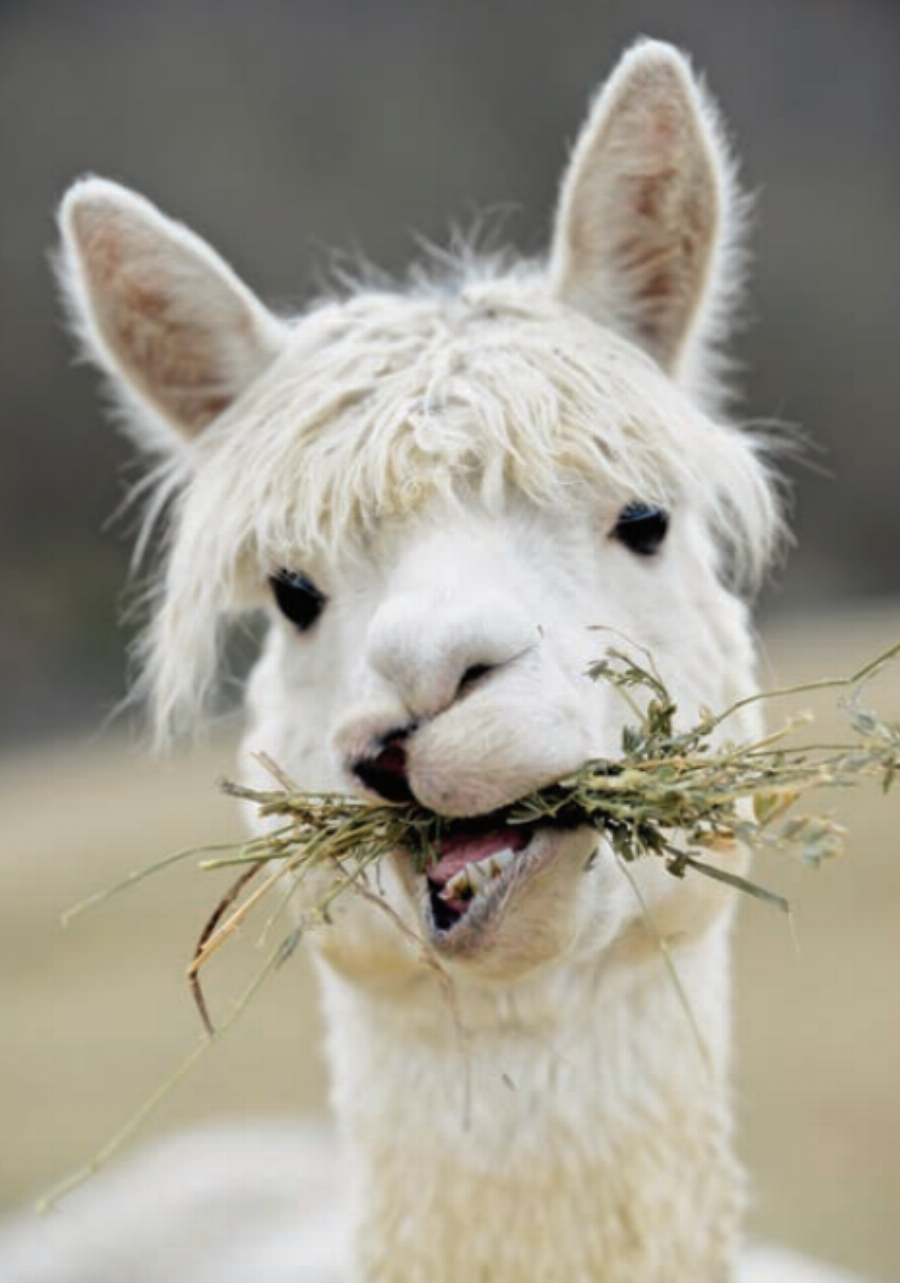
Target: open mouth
(481, 864)
(473, 857)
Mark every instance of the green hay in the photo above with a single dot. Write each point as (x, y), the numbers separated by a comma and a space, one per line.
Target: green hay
(673, 794)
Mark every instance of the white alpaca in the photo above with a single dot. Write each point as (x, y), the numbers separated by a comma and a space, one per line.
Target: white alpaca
(436, 496)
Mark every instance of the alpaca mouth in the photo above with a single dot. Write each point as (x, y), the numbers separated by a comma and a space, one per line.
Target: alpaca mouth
(481, 865)
(473, 858)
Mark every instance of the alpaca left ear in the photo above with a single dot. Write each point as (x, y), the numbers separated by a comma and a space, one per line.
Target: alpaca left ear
(647, 211)
(160, 311)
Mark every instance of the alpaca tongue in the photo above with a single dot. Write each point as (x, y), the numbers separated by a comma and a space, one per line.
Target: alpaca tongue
(468, 846)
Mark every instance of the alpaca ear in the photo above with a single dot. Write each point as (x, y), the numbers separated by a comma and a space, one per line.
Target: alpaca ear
(647, 210)
(159, 310)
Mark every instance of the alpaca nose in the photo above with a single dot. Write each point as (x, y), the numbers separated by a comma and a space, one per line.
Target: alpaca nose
(431, 656)
(385, 772)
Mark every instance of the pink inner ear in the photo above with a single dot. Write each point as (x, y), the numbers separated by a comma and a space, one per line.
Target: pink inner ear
(149, 326)
(173, 360)
(664, 253)
(669, 231)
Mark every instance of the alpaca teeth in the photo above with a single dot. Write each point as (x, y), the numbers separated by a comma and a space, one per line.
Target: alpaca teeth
(458, 888)
(467, 883)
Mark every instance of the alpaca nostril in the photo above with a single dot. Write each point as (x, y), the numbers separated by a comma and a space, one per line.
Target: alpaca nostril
(385, 773)
(471, 676)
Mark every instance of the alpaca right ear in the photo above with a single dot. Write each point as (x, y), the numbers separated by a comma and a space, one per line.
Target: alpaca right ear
(159, 310)
(649, 214)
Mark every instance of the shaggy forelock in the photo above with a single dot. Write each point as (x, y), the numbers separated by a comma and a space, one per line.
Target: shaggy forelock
(384, 402)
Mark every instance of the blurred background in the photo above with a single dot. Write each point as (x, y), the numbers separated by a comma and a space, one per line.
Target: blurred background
(283, 130)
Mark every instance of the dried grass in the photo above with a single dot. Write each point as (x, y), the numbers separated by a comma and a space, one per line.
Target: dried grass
(672, 794)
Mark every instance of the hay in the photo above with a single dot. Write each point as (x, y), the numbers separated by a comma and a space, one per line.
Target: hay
(672, 794)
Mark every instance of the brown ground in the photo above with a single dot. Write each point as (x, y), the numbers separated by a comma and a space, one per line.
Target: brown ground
(93, 1017)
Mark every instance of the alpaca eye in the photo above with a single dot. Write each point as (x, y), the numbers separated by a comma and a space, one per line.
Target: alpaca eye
(298, 598)
(641, 528)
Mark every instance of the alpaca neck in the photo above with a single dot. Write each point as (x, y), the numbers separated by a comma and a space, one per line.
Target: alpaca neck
(567, 1127)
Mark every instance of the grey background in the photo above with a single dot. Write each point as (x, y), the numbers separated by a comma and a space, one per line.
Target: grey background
(281, 130)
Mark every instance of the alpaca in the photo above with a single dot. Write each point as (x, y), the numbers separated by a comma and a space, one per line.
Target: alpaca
(447, 499)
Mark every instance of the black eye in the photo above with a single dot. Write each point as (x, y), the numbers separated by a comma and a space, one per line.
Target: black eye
(641, 528)
(298, 598)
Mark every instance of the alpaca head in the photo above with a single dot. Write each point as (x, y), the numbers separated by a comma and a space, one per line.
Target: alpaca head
(449, 500)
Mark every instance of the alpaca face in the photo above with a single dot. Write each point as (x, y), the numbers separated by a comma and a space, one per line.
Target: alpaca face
(449, 663)
(438, 496)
